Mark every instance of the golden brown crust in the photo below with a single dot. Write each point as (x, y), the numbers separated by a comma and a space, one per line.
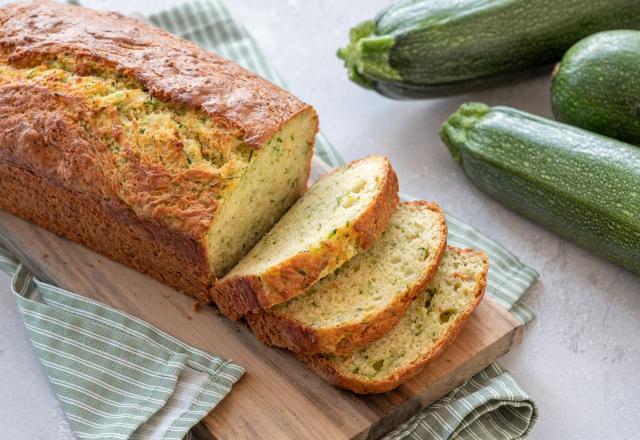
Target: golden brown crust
(325, 369)
(109, 228)
(237, 296)
(283, 331)
(37, 133)
(170, 68)
(157, 218)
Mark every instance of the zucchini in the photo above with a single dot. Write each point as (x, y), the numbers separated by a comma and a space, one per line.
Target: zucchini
(581, 185)
(596, 86)
(424, 48)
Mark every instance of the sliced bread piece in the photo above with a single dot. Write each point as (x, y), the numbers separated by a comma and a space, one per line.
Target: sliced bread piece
(341, 214)
(430, 324)
(367, 296)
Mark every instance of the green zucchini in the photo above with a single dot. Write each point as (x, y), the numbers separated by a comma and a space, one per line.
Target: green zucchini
(423, 48)
(583, 186)
(596, 86)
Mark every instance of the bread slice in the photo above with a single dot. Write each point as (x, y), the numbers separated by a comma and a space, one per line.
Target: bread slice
(431, 323)
(341, 214)
(368, 295)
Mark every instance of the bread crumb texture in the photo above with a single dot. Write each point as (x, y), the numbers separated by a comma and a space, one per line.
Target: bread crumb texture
(375, 280)
(425, 325)
(325, 213)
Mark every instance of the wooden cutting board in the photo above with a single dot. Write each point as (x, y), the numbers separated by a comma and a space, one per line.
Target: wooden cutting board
(278, 398)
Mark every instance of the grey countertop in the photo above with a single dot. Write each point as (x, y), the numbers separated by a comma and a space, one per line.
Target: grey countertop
(580, 359)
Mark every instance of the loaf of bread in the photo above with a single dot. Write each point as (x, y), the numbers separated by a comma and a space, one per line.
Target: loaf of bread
(341, 214)
(367, 296)
(430, 325)
(143, 146)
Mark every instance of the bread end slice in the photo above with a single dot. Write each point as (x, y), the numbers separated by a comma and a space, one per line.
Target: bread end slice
(368, 295)
(429, 326)
(340, 215)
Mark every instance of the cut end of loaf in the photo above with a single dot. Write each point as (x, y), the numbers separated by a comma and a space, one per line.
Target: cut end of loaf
(275, 177)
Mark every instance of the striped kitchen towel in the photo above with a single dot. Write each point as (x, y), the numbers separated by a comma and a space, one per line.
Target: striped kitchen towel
(491, 405)
(116, 376)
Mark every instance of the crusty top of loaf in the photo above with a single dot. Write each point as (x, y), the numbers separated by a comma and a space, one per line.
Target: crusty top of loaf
(170, 68)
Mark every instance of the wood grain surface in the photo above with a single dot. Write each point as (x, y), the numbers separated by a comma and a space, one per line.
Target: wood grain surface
(278, 398)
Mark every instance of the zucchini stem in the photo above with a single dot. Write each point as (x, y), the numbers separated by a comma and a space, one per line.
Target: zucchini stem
(366, 57)
(454, 131)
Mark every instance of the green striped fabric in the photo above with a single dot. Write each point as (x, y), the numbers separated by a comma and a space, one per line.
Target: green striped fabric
(489, 406)
(116, 376)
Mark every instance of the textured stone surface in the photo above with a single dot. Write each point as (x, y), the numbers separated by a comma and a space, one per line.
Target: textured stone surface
(579, 359)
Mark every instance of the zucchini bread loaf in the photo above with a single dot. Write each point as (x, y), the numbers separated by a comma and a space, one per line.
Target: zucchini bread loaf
(143, 146)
